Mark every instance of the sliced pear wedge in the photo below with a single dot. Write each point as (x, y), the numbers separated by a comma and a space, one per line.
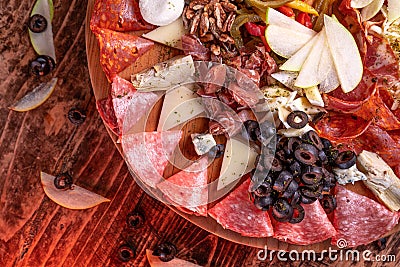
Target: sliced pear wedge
(76, 198)
(43, 42)
(360, 3)
(345, 54)
(155, 261)
(36, 97)
(371, 10)
(393, 10)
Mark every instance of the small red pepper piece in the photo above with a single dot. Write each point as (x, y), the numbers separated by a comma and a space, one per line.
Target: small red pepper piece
(264, 40)
(254, 29)
(304, 19)
(288, 11)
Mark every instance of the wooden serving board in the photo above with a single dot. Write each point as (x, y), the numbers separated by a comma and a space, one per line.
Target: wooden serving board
(157, 54)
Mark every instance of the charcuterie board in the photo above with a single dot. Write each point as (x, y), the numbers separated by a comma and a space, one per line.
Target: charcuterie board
(159, 53)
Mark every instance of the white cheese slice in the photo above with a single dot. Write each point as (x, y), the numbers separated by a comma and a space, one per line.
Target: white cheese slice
(203, 143)
(304, 105)
(180, 105)
(314, 96)
(350, 175)
(169, 35)
(292, 132)
(238, 160)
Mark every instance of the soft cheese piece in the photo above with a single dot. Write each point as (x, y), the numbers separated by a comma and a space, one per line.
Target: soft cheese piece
(180, 105)
(203, 143)
(161, 12)
(238, 160)
(350, 175)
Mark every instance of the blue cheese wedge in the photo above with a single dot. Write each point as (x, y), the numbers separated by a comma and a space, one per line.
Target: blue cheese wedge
(203, 143)
(239, 159)
(350, 175)
(165, 75)
(180, 105)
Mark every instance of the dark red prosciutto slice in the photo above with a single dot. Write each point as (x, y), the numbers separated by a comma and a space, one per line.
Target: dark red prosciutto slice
(314, 228)
(360, 220)
(126, 98)
(119, 50)
(118, 15)
(147, 153)
(237, 213)
(106, 111)
(187, 189)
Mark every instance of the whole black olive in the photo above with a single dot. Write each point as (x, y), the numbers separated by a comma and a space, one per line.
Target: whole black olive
(264, 203)
(313, 138)
(37, 23)
(328, 202)
(282, 211)
(126, 253)
(42, 65)
(282, 182)
(166, 252)
(291, 189)
(297, 119)
(298, 213)
(63, 181)
(251, 130)
(345, 159)
(312, 175)
(306, 154)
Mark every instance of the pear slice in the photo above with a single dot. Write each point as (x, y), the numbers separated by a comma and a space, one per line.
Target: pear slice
(371, 10)
(43, 42)
(274, 17)
(286, 42)
(76, 198)
(295, 62)
(360, 3)
(345, 54)
(155, 261)
(314, 96)
(36, 97)
(393, 10)
(331, 82)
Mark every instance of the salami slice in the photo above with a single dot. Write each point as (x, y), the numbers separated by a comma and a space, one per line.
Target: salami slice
(118, 15)
(119, 50)
(237, 213)
(314, 228)
(106, 111)
(147, 153)
(188, 188)
(125, 97)
(360, 220)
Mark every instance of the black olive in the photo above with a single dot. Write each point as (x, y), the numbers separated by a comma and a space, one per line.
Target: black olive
(326, 143)
(293, 143)
(266, 131)
(282, 182)
(295, 167)
(126, 253)
(42, 65)
(264, 203)
(322, 156)
(298, 213)
(345, 159)
(291, 189)
(307, 200)
(76, 116)
(295, 198)
(282, 211)
(313, 138)
(166, 252)
(37, 23)
(328, 202)
(306, 154)
(312, 175)
(216, 151)
(311, 191)
(63, 181)
(263, 189)
(297, 119)
(332, 155)
(317, 117)
(251, 130)
(134, 220)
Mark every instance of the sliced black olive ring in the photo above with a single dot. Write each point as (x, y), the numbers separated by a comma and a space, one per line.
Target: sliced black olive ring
(42, 65)
(306, 154)
(126, 253)
(291, 189)
(263, 190)
(328, 202)
(345, 159)
(63, 181)
(315, 140)
(312, 175)
(37, 23)
(166, 252)
(264, 202)
(297, 119)
(251, 133)
(282, 182)
(282, 211)
(298, 213)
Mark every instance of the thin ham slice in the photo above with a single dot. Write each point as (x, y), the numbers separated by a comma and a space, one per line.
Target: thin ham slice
(360, 220)
(237, 213)
(314, 228)
(148, 153)
(187, 189)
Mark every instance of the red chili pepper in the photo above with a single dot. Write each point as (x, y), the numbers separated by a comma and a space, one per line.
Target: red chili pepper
(267, 48)
(304, 19)
(254, 29)
(288, 11)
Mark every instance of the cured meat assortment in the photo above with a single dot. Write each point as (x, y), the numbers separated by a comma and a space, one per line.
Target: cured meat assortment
(313, 128)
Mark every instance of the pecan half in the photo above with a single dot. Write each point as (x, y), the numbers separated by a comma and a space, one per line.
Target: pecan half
(204, 24)
(228, 7)
(194, 24)
(228, 22)
(220, 15)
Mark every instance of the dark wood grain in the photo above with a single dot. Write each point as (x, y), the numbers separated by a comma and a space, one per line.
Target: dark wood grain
(34, 231)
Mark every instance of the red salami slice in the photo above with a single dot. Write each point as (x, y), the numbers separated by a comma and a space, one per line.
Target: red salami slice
(341, 127)
(314, 228)
(125, 97)
(106, 111)
(118, 15)
(147, 153)
(237, 213)
(188, 189)
(360, 220)
(119, 50)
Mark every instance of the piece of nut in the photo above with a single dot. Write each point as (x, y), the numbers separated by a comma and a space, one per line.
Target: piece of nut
(204, 24)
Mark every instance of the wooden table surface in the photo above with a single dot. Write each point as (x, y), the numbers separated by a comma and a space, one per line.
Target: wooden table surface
(34, 231)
